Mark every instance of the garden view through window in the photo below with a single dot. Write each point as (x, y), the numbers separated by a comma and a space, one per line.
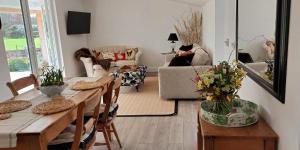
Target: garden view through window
(25, 56)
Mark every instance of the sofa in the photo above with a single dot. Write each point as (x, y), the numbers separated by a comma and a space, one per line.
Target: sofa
(177, 82)
(108, 53)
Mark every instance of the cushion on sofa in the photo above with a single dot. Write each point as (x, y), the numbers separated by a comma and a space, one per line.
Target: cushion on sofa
(130, 53)
(201, 57)
(108, 55)
(120, 56)
(186, 47)
(182, 60)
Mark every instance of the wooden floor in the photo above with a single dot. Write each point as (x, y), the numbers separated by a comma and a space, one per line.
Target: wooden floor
(158, 133)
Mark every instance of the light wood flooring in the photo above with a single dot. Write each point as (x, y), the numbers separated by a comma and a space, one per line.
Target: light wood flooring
(158, 133)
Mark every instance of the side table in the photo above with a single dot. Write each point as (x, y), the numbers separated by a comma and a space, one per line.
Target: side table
(259, 136)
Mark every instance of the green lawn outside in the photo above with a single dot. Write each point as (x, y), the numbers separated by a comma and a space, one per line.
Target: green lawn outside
(19, 44)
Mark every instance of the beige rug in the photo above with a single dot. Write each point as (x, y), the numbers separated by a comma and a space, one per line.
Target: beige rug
(146, 101)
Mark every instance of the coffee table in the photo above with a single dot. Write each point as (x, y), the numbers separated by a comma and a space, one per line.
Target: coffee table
(131, 77)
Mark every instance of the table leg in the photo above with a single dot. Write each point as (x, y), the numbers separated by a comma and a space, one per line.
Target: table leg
(31, 142)
(137, 88)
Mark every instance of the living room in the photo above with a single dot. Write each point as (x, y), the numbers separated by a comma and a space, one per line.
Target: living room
(157, 101)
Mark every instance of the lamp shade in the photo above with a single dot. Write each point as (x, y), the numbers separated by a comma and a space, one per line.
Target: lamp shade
(173, 37)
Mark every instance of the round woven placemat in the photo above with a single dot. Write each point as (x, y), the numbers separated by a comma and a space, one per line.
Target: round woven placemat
(4, 116)
(54, 106)
(13, 106)
(83, 85)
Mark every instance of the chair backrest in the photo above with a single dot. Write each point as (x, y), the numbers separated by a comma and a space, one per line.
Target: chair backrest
(107, 99)
(82, 127)
(22, 83)
(116, 89)
(111, 97)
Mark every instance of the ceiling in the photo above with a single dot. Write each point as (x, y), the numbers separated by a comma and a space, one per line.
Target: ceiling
(192, 2)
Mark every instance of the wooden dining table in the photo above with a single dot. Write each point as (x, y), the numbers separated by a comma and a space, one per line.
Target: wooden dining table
(37, 135)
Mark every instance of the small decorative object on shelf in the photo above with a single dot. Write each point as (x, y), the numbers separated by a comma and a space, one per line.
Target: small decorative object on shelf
(223, 107)
(51, 81)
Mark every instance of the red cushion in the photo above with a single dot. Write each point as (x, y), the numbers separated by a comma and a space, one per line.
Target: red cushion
(120, 56)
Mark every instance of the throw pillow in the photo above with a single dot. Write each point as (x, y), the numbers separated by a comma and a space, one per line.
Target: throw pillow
(186, 48)
(201, 57)
(108, 55)
(120, 56)
(130, 53)
(181, 60)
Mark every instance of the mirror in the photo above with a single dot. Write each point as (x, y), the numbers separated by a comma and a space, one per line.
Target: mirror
(262, 40)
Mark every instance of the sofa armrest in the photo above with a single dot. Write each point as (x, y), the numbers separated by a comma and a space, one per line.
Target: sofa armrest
(99, 71)
(137, 57)
(88, 64)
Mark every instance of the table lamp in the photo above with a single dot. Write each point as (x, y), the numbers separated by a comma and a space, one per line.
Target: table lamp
(173, 38)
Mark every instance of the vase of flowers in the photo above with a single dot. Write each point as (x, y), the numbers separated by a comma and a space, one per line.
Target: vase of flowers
(52, 83)
(223, 107)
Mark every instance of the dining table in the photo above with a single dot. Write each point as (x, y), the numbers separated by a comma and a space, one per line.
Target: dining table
(39, 133)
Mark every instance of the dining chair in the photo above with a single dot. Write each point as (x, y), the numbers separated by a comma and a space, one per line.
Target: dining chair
(19, 84)
(106, 119)
(82, 135)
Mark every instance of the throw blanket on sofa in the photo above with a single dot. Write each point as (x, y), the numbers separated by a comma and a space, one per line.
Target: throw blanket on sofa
(85, 52)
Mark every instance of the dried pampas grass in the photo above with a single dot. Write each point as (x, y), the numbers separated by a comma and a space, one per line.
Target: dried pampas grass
(189, 29)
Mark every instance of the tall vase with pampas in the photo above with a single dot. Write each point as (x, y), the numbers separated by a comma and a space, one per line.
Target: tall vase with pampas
(189, 29)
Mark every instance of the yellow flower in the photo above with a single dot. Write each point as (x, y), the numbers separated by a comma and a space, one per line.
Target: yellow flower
(238, 82)
(218, 91)
(206, 82)
(210, 98)
(199, 85)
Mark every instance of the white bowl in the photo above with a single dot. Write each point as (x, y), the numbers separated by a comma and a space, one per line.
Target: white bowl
(52, 90)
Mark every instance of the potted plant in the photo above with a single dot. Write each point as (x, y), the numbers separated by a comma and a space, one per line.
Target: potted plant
(223, 107)
(51, 81)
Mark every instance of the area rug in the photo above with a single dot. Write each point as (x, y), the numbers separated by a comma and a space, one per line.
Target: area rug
(145, 102)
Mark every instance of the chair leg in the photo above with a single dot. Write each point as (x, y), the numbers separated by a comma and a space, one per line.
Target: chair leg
(116, 134)
(109, 133)
(106, 138)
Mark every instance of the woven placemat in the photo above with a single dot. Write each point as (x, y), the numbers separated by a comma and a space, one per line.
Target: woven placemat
(13, 106)
(4, 116)
(83, 85)
(56, 105)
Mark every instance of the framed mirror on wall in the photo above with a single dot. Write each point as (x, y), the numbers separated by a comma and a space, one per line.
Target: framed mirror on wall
(262, 31)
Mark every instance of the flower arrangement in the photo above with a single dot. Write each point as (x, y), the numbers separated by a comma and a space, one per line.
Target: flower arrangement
(220, 84)
(51, 76)
(52, 82)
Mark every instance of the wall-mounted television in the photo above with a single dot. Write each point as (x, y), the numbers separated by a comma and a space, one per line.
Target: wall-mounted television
(78, 22)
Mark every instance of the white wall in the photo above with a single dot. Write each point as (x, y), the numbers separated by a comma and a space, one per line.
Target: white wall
(142, 23)
(208, 34)
(214, 18)
(4, 73)
(283, 118)
(70, 43)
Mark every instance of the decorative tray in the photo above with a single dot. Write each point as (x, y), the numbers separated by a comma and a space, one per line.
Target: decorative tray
(244, 113)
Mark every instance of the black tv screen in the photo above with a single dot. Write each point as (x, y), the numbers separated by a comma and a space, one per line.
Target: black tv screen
(78, 22)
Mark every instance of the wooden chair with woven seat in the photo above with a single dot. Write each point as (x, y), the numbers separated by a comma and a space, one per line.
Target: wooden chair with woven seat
(19, 84)
(106, 120)
(83, 134)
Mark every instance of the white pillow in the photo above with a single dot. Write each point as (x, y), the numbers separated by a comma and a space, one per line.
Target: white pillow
(201, 57)
(108, 55)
